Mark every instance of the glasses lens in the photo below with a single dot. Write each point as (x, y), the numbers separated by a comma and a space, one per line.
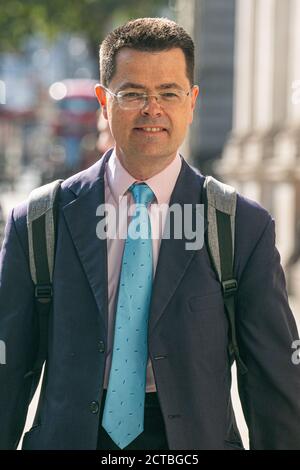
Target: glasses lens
(131, 100)
(172, 98)
(168, 99)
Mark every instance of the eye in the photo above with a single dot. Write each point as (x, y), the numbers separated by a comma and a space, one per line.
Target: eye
(170, 95)
(131, 95)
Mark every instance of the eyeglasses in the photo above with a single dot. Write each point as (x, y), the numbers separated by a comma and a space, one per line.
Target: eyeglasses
(135, 100)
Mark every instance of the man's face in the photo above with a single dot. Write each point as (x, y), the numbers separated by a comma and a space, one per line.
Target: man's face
(151, 73)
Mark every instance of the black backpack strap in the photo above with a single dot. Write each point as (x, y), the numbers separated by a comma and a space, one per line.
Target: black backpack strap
(41, 226)
(220, 207)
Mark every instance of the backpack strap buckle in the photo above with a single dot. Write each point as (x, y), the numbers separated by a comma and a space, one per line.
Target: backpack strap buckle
(229, 287)
(43, 292)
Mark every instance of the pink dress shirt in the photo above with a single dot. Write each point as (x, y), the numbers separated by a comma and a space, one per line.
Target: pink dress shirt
(117, 182)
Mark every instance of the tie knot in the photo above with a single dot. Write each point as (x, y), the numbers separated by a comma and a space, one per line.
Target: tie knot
(142, 193)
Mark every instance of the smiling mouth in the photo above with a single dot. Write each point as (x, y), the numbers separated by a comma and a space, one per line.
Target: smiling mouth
(151, 130)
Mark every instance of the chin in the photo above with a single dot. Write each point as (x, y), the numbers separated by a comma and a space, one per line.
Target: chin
(154, 149)
(155, 153)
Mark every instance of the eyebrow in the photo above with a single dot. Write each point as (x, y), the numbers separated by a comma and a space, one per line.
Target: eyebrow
(163, 86)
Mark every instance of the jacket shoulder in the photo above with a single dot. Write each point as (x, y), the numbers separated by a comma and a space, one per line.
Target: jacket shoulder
(253, 223)
(251, 214)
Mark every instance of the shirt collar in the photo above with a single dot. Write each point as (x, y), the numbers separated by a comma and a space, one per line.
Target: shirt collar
(162, 184)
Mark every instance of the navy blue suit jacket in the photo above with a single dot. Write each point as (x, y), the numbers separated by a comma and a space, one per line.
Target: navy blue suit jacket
(188, 331)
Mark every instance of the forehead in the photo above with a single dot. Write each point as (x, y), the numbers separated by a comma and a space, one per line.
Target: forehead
(150, 67)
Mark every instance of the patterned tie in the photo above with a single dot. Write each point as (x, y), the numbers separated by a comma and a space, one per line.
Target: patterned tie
(123, 415)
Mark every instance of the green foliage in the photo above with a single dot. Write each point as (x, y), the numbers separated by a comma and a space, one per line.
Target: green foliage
(92, 18)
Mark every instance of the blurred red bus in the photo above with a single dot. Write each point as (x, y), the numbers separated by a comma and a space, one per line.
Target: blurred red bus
(74, 123)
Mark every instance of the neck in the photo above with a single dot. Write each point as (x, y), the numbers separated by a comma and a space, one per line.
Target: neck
(144, 169)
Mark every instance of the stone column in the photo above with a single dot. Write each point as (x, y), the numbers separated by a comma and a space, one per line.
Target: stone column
(258, 158)
(288, 140)
(285, 166)
(211, 25)
(243, 90)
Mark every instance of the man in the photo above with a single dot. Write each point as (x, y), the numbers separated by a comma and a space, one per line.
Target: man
(166, 383)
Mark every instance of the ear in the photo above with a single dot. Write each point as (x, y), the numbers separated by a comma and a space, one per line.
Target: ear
(194, 95)
(101, 97)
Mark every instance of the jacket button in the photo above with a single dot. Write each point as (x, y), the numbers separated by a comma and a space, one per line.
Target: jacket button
(101, 346)
(94, 407)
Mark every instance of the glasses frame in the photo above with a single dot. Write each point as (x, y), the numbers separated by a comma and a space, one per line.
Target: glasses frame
(146, 97)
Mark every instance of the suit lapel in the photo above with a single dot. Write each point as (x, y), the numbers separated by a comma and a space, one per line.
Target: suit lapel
(174, 258)
(81, 218)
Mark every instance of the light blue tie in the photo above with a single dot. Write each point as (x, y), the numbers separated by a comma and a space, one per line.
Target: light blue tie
(123, 415)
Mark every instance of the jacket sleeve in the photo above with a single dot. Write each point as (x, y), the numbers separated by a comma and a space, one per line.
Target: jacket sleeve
(18, 332)
(270, 391)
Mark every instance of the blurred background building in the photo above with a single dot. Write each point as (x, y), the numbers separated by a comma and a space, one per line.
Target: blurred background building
(211, 23)
(251, 47)
(261, 156)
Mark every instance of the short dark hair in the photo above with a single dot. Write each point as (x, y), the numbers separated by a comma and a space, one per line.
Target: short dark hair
(147, 35)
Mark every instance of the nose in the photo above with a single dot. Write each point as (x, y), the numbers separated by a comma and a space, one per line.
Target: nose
(152, 107)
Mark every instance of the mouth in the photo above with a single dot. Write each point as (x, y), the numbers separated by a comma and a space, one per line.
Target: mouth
(151, 130)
